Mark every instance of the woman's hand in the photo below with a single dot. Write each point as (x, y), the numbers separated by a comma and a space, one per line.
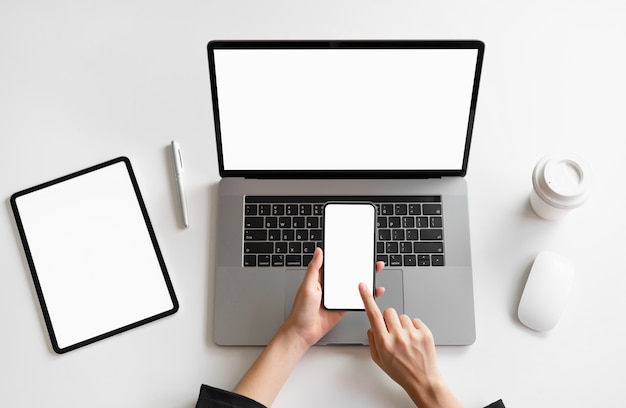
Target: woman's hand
(405, 349)
(307, 323)
(308, 318)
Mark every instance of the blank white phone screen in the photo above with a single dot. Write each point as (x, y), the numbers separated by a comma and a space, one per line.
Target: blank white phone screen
(349, 253)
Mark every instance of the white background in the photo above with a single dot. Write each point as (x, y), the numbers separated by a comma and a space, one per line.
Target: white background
(83, 82)
(345, 106)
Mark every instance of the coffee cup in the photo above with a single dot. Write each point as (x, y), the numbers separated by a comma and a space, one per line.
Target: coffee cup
(561, 183)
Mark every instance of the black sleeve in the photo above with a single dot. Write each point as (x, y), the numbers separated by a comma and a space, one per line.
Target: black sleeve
(211, 397)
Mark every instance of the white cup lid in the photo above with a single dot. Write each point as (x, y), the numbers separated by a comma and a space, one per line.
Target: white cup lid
(562, 180)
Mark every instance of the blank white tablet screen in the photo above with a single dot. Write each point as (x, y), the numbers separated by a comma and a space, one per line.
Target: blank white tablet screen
(93, 254)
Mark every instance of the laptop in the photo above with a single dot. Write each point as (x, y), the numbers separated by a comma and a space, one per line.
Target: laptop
(301, 123)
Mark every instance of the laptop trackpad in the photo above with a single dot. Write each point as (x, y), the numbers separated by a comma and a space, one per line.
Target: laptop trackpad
(391, 280)
(352, 329)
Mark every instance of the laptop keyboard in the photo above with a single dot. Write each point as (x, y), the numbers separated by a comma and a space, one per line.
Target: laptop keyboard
(284, 231)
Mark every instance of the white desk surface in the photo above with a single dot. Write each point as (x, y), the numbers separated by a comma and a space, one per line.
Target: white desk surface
(82, 82)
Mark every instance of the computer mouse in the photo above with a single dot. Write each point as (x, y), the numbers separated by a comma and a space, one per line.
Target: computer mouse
(546, 292)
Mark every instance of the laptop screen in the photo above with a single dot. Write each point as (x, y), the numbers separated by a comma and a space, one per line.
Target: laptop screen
(348, 108)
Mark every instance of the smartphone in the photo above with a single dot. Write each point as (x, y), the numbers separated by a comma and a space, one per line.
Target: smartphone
(349, 234)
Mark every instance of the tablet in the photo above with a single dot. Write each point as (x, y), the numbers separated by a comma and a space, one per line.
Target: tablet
(93, 255)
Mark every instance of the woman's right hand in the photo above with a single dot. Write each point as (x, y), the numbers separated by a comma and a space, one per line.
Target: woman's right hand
(404, 348)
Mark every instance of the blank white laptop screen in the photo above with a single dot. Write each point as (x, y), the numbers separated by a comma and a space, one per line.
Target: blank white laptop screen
(344, 109)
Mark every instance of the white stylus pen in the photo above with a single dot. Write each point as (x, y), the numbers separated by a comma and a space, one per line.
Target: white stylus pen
(178, 173)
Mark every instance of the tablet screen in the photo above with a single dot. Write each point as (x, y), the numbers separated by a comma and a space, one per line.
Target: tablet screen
(93, 255)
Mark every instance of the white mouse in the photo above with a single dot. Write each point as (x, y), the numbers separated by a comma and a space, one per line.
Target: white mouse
(546, 292)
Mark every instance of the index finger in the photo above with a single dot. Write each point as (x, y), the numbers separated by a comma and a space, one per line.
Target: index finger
(374, 315)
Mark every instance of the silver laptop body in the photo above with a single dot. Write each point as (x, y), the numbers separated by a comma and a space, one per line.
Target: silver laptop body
(299, 123)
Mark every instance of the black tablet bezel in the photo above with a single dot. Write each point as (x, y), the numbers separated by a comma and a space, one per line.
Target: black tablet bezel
(33, 270)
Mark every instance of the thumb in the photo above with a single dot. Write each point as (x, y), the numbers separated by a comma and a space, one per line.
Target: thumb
(313, 270)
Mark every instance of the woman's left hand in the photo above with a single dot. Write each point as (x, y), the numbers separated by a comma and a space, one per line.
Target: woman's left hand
(308, 318)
